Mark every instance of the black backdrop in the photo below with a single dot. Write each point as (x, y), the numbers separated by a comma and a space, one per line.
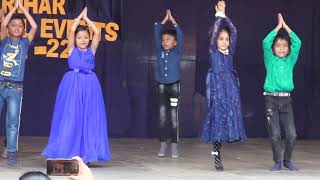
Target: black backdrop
(125, 66)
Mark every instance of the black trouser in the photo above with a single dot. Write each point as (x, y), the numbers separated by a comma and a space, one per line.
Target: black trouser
(169, 101)
(279, 109)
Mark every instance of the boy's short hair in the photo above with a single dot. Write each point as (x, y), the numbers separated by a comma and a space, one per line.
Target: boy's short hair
(171, 32)
(282, 34)
(18, 16)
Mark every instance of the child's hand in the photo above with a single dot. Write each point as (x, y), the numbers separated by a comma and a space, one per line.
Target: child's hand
(169, 14)
(280, 20)
(84, 171)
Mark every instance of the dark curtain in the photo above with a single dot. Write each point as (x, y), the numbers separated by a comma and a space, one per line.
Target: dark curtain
(125, 67)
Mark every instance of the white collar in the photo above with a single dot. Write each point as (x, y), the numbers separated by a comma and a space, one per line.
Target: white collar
(225, 52)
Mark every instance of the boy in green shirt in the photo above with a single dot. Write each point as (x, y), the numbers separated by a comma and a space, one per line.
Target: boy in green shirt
(280, 56)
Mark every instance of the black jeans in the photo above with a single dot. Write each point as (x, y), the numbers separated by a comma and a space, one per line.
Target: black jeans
(169, 103)
(279, 109)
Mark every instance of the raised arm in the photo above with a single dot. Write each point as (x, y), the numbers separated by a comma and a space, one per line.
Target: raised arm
(214, 30)
(158, 30)
(295, 43)
(33, 24)
(268, 40)
(180, 36)
(214, 33)
(96, 33)
(7, 19)
(233, 34)
(71, 36)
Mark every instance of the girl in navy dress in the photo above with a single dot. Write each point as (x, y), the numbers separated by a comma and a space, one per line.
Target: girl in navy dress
(223, 122)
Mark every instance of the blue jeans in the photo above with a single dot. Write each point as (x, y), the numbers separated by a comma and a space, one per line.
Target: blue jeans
(11, 94)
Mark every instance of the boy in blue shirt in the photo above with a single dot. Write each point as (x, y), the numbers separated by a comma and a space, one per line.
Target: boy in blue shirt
(13, 48)
(169, 47)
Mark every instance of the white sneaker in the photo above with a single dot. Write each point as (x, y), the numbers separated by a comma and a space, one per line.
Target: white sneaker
(162, 151)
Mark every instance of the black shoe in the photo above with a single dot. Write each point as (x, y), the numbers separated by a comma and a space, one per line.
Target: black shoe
(217, 161)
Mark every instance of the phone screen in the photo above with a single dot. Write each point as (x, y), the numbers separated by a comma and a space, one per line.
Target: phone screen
(62, 167)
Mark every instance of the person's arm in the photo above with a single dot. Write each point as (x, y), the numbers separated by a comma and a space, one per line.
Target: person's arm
(268, 40)
(233, 34)
(295, 43)
(158, 30)
(96, 33)
(294, 48)
(180, 37)
(214, 31)
(33, 24)
(71, 36)
(7, 19)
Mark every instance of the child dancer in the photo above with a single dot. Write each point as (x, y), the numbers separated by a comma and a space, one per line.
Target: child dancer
(4, 152)
(280, 56)
(79, 124)
(169, 47)
(14, 48)
(223, 121)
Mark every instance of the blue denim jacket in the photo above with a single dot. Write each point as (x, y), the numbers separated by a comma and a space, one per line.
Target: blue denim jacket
(167, 66)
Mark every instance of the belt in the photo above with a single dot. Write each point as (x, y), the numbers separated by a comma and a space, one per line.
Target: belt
(82, 71)
(10, 84)
(279, 94)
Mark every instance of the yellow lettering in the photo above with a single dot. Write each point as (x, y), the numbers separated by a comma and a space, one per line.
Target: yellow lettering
(7, 64)
(7, 5)
(59, 28)
(58, 6)
(46, 27)
(111, 34)
(51, 52)
(5, 73)
(31, 4)
(45, 7)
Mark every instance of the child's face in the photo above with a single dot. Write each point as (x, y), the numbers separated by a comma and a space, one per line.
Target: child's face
(223, 41)
(281, 48)
(16, 28)
(82, 40)
(168, 41)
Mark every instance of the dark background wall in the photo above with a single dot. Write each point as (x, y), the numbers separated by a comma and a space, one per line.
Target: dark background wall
(125, 67)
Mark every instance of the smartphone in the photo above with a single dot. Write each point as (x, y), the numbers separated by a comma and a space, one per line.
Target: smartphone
(62, 167)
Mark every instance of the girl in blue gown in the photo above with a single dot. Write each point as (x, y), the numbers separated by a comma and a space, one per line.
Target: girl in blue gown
(79, 124)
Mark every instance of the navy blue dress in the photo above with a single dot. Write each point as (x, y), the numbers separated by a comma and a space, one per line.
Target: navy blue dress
(223, 121)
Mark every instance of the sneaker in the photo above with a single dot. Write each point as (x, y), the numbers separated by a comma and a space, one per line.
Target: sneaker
(4, 153)
(276, 166)
(290, 166)
(174, 150)
(162, 151)
(11, 159)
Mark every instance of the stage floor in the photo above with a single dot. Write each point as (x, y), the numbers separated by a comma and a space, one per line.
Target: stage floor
(136, 159)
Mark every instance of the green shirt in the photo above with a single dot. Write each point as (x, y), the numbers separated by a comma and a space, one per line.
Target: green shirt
(280, 70)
